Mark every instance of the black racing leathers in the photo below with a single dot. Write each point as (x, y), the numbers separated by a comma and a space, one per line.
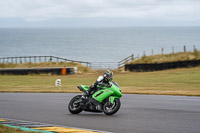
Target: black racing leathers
(93, 87)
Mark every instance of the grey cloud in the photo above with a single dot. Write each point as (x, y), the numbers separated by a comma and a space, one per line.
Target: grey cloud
(41, 10)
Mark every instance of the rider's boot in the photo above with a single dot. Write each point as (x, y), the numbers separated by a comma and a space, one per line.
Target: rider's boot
(98, 107)
(85, 95)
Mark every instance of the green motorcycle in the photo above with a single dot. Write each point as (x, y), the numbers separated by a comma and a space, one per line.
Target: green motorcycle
(105, 99)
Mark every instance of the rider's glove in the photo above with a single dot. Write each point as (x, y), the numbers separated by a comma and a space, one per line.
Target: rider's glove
(92, 86)
(109, 85)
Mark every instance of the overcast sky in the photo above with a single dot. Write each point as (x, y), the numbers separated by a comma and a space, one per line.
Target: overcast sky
(98, 13)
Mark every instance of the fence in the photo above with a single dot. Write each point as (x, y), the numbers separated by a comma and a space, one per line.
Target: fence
(172, 50)
(126, 60)
(104, 65)
(95, 65)
(38, 59)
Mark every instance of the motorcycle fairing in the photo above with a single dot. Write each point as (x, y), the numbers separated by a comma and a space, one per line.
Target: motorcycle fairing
(112, 92)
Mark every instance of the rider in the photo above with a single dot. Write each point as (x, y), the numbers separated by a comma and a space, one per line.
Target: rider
(102, 81)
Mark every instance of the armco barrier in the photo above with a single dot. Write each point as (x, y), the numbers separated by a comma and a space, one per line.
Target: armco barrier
(161, 66)
(26, 71)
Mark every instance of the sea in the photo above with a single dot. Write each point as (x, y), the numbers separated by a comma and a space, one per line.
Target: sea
(97, 44)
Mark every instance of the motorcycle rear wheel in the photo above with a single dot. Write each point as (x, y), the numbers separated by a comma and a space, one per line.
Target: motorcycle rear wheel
(74, 107)
(110, 109)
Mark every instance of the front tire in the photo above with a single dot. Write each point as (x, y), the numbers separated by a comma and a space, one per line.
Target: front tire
(74, 106)
(110, 109)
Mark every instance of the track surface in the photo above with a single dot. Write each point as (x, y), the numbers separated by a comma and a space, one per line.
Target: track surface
(138, 113)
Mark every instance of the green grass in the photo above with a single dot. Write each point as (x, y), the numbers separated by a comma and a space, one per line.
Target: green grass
(184, 81)
(181, 56)
(5, 129)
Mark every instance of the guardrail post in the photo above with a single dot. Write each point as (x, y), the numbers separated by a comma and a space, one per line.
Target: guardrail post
(132, 57)
(11, 59)
(20, 60)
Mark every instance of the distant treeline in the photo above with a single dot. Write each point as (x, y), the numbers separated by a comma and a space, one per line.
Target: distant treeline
(161, 66)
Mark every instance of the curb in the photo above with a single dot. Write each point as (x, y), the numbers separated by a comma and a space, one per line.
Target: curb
(44, 127)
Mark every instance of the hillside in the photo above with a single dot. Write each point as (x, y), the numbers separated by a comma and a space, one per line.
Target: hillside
(181, 56)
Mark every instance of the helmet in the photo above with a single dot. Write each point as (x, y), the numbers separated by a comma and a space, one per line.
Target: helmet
(108, 75)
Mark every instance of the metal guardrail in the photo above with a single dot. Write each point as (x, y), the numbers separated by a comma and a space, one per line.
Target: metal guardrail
(104, 65)
(38, 59)
(126, 60)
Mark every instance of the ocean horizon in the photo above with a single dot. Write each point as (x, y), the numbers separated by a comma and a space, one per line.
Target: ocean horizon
(96, 44)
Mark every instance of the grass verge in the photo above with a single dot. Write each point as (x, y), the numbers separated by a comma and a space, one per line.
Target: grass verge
(185, 81)
(181, 56)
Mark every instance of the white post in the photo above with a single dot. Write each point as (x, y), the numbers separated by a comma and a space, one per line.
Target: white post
(58, 82)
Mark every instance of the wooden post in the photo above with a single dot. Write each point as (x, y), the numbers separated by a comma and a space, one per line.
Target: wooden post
(172, 50)
(39, 58)
(16, 60)
(144, 53)
(162, 50)
(11, 59)
(132, 57)
(30, 59)
(194, 48)
(50, 59)
(35, 59)
(20, 60)
(184, 47)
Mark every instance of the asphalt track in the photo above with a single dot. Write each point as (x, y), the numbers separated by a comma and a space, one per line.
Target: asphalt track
(138, 113)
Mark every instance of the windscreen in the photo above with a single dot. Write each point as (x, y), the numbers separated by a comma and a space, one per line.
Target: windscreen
(115, 83)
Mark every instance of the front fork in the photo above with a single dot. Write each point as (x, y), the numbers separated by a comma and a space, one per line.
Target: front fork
(112, 98)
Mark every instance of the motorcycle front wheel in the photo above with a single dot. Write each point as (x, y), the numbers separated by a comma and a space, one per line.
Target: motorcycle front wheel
(110, 109)
(74, 105)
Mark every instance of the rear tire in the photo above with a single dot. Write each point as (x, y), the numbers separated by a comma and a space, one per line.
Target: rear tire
(73, 107)
(110, 109)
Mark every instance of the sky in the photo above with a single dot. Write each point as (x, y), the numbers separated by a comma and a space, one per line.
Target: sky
(99, 13)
